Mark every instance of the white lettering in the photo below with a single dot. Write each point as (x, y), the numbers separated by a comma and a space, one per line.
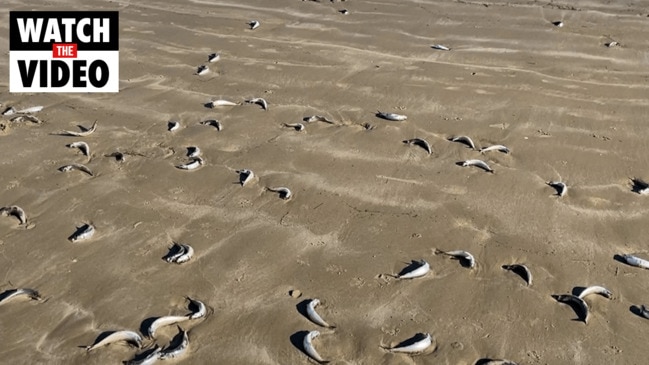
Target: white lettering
(83, 37)
(29, 32)
(101, 28)
(52, 32)
(68, 23)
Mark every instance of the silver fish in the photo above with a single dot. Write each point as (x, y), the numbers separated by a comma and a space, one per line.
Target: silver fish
(10, 294)
(83, 233)
(459, 254)
(499, 362)
(558, 24)
(391, 116)
(297, 126)
(420, 271)
(343, 11)
(179, 350)
(214, 123)
(12, 110)
(16, 211)
(202, 70)
(578, 304)
(26, 118)
(636, 261)
(317, 118)
(640, 186)
(193, 165)
(284, 193)
(497, 147)
(86, 132)
(9, 111)
(164, 321)
(76, 166)
(416, 347)
(213, 57)
(307, 343)
(478, 163)
(314, 316)
(201, 309)
(220, 102)
(173, 126)
(421, 143)
(595, 289)
(644, 311)
(612, 44)
(521, 270)
(253, 24)
(561, 187)
(440, 47)
(151, 358)
(260, 101)
(193, 151)
(187, 255)
(464, 139)
(82, 146)
(129, 337)
(245, 176)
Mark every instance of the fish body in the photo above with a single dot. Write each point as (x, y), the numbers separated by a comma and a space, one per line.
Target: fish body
(202, 70)
(214, 123)
(76, 166)
(284, 193)
(259, 101)
(193, 151)
(150, 359)
(83, 233)
(183, 253)
(612, 44)
(644, 311)
(460, 255)
(595, 289)
(499, 362)
(26, 118)
(16, 211)
(173, 126)
(307, 343)
(314, 316)
(416, 347)
(220, 102)
(440, 47)
(297, 126)
(421, 143)
(464, 139)
(317, 118)
(164, 321)
(82, 146)
(580, 306)
(420, 271)
(391, 116)
(213, 57)
(129, 337)
(478, 163)
(85, 133)
(254, 24)
(201, 309)
(496, 147)
(10, 294)
(193, 165)
(177, 351)
(521, 270)
(636, 261)
(561, 187)
(245, 176)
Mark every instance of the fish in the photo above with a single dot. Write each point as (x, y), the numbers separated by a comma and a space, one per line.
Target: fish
(129, 337)
(245, 176)
(214, 123)
(561, 187)
(173, 126)
(343, 11)
(317, 118)
(497, 147)
(578, 304)
(119, 157)
(307, 343)
(164, 321)
(202, 70)
(26, 118)
(284, 193)
(11, 110)
(636, 261)
(82, 146)
(459, 254)
(440, 47)
(419, 346)
(297, 126)
(177, 351)
(84, 133)
(220, 102)
(83, 233)
(201, 309)
(213, 57)
(151, 358)
(260, 101)
(595, 289)
(498, 362)
(193, 151)
(521, 270)
(644, 311)
(420, 271)
(391, 116)
(76, 166)
(478, 163)
(421, 143)
(181, 253)
(640, 186)
(314, 316)
(464, 139)
(16, 211)
(195, 163)
(254, 24)
(10, 294)
(612, 44)
(558, 24)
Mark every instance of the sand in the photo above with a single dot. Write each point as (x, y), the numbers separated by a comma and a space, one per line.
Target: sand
(365, 204)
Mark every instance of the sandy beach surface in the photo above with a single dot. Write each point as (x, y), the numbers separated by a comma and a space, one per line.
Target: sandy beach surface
(364, 205)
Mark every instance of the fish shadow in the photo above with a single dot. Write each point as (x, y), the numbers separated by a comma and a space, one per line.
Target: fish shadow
(78, 231)
(302, 306)
(621, 259)
(577, 290)
(581, 317)
(411, 266)
(412, 340)
(7, 293)
(638, 185)
(484, 361)
(518, 270)
(138, 357)
(637, 311)
(451, 139)
(144, 326)
(177, 340)
(173, 250)
(297, 340)
(556, 187)
(101, 338)
(208, 105)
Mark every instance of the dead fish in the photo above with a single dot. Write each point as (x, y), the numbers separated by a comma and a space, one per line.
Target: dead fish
(16, 211)
(10, 294)
(640, 186)
(151, 358)
(558, 24)
(188, 253)
(297, 126)
(76, 166)
(179, 350)
(417, 272)
(307, 343)
(82, 146)
(164, 321)
(520, 270)
(213, 57)
(391, 116)
(440, 47)
(175, 252)
(459, 254)
(416, 347)
(84, 133)
(317, 118)
(343, 11)
(499, 362)
(129, 337)
(253, 24)
(201, 308)
(561, 187)
(214, 123)
(202, 70)
(497, 147)
(644, 311)
(220, 102)
(578, 304)
(119, 157)
(83, 233)
(259, 101)
(612, 44)
(314, 316)
(421, 143)
(636, 261)
(284, 193)
(595, 289)
(173, 126)
(245, 176)
(26, 118)
(464, 139)
(193, 151)
(478, 163)
(11, 110)
(193, 165)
